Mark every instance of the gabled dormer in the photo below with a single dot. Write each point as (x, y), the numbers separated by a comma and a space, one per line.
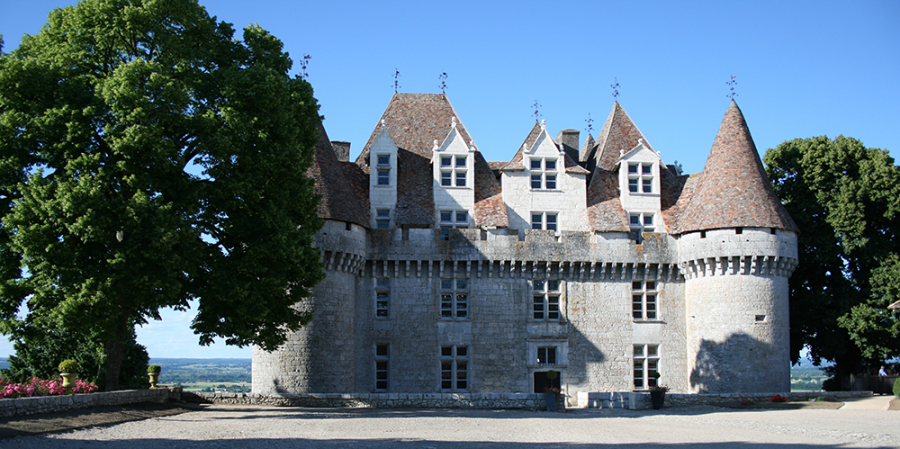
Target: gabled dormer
(543, 161)
(639, 189)
(453, 186)
(383, 180)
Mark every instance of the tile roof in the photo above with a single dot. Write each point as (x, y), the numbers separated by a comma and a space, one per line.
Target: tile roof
(618, 133)
(414, 122)
(604, 208)
(675, 194)
(733, 190)
(343, 188)
(586, 148)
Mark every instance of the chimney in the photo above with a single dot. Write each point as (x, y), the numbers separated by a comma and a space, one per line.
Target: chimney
(568, 138)
(341, 150)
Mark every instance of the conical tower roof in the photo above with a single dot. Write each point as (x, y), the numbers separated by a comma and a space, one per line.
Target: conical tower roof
(733, 190)
(619, 133)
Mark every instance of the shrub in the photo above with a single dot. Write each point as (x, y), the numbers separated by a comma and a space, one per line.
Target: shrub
(154, 369)
(897, 387)
(778, 398)
(68, 366)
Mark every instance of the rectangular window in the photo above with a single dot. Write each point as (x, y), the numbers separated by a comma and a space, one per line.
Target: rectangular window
(384, 160)
(545, 303)
(544, 220)
(546, 355)
(382, 297)
(646, 362)
(384, 177)
(382, 218)
(450, 219)
(643, 299)
(453, 171)
(454, 368)
(640, 222)
(543, 173)
(382, 357)
(640, 174)
(454, 299)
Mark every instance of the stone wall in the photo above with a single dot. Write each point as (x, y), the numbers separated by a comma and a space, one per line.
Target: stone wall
(519, 401)
(47, 404)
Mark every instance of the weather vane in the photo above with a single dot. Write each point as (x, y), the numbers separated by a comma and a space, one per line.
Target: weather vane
(537, 107)
(615, 88)
(443, 78)
(396, 80)
(590, 123)
(732, 83)
(304, 63)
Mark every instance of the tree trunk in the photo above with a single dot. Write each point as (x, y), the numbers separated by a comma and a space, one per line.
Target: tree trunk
(115, 352)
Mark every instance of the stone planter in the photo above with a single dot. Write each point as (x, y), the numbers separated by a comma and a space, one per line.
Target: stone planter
(550, 398)
(154, 379)
(68, 381)
(657, 398)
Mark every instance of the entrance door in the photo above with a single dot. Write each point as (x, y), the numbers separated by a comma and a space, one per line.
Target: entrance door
(541, 381)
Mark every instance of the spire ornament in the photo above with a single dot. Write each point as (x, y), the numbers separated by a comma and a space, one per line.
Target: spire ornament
(537, 112)
(443, 78)
(731, 85)
(590, 124)
(396, 80)
(615, 88)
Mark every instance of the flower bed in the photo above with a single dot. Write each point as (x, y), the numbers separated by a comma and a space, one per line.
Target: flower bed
(38, 387)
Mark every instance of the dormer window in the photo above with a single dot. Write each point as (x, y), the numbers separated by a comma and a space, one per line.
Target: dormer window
(453, 171)
(640, 177)
(453, 219)
(383, 168)
(543, 173)
(383, 219)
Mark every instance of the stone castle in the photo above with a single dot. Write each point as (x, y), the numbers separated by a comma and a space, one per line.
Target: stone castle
(597, 261)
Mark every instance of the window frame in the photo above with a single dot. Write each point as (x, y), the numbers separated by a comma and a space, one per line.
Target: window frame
(451, 375)
(644, 364)
(545, 219)
(641, 226)
(640, 178)
(546, 178)
(642, 307)
(382, 219)
(454, 223)
(382, 170)
(454, 296)
(544, 299)
(382, 367)
(382, 297)
(454, 174)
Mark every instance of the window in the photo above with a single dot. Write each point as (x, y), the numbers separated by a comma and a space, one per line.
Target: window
(382, 297)
(546, 355)
(453, 171)
(544, 220)
(545, 305)
(454, 299)
(382, 219)
(454, 368)
(640, 177)
(383, 168)
(646, 362)
(452, 219)
(643, 300)
(640, 223)
(382, 356)
(543, 173)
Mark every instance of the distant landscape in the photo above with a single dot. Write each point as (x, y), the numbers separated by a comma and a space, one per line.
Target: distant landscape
(234, 375)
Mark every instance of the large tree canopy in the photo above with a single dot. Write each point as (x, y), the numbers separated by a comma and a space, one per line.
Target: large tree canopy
(846, 200)
(147, 158)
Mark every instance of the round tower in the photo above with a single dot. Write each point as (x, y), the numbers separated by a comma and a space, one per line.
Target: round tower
(736, 249)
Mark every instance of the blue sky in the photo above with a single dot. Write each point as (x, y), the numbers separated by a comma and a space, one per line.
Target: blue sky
(803, 69)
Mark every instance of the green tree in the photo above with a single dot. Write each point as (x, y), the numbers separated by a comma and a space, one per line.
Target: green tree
(846, 199)
(148, 158)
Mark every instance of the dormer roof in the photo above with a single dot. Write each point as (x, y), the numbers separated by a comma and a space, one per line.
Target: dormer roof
(618, 133)
(733, 189)
(585, 152)
(414, 122)
(517, 162)
(342, 187)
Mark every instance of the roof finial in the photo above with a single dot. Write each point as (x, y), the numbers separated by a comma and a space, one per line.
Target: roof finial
(453, 122)
(640, 141)
(435, 148)
(543, 124)
(537, 107)
(396, 80)
(383, 123)
(590, 123)
(621, 153)
(472, 145)
(443, 78)
(615, 88)
(732, 83)
(303, 64)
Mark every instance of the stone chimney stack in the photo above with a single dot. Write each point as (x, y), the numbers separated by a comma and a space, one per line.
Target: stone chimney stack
(568, 138)
(342, 150)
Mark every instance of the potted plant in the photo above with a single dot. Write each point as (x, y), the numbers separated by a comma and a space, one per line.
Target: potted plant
(657, 393)
(68, 369)
(153, 371)
(551, 393)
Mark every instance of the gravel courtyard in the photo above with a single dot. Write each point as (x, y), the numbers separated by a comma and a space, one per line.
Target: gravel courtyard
(677, 427)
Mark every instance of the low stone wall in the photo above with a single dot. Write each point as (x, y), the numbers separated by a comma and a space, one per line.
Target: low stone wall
(47, 404)
(520, 401)
(641, 400)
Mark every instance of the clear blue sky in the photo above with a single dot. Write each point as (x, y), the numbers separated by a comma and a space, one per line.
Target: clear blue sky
(803, 69)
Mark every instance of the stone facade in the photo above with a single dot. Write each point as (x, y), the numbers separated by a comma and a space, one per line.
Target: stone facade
(597, 268)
